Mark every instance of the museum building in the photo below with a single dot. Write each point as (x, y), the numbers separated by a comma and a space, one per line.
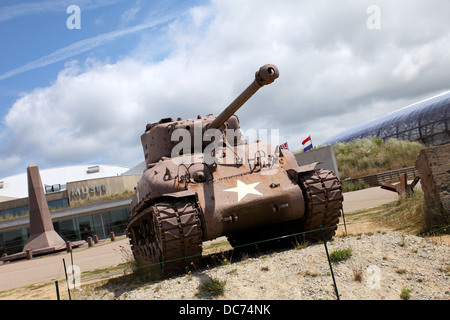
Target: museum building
(84, 200)
(426, 121)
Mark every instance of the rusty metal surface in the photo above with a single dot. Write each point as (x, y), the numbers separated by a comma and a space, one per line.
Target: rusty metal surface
(323, 203)
(402, 188)
(182, 199)
(264, 76)
(168, 235)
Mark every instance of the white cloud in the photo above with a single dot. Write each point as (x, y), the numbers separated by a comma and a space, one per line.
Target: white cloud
(130, 14)
(9, 162)
(334, 73)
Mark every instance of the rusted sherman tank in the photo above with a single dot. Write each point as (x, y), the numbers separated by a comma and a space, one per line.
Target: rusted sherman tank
(202, 183)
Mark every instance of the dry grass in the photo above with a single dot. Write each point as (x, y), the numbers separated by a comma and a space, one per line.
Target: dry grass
(406, 214)
(211, 287)
(370, 156)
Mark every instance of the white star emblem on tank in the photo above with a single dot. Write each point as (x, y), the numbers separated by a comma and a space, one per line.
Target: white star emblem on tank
(243, 189)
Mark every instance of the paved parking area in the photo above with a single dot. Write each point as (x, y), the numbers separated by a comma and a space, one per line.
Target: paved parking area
(45, 268)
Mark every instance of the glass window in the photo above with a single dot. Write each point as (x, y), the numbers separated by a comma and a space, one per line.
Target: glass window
(58, 204)
(6, 214)
(2, 245)
(13, 241)
(119, 219)
(106, 217)
(66, 229)
(85, 226)
(21, 211)
(99, 228)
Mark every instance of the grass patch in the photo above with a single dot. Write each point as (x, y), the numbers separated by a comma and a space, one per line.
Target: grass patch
(406, 214)
(340, 255)
(401, 271)
(300, 245)
(405, 294)
(368, 156)
(211, 287)
(403, 215)
(348, 186)
(120, 268)
(216, 246)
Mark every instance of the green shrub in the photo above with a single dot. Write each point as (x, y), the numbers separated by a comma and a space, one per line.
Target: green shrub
(340, 255)
(368, 156)
(212, 287)
(405, 294)
(353, 186)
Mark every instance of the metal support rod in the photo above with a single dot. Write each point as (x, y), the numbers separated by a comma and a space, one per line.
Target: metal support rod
(329, 262)
(345, 224)
(67, 280)
(57, 289)
(73, 270)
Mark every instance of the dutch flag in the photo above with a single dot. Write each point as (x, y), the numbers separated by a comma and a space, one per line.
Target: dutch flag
(307, 144)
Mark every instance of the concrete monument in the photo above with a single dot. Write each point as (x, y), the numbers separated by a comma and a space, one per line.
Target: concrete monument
(43, 238)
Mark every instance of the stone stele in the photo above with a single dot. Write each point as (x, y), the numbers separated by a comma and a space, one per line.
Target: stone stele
(43, 238)
(42, 233)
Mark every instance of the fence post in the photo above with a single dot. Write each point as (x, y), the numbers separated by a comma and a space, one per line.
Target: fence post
(67, 280)
(329, 262)
(343, 217)
(57, 289)
(90, 241)
(73, 270)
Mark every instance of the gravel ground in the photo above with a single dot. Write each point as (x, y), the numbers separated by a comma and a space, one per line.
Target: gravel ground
(387, 263)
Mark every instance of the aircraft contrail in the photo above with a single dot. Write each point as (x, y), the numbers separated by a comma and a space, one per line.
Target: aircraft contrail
(77, 48)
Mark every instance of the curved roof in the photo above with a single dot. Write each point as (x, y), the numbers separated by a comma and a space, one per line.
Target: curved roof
(426, 121)
(17, 186)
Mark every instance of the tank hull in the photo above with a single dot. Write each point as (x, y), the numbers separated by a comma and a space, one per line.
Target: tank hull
(245, 201)
(180, 204)
(191, 192)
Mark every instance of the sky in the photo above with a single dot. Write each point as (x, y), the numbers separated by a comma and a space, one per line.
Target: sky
(79, 86)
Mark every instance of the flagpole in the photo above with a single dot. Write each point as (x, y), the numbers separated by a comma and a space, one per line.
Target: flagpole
(312, 149)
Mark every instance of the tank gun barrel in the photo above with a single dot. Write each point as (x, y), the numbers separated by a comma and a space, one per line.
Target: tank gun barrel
(265, 75)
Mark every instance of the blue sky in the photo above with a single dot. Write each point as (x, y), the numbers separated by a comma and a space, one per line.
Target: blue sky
(84, 96)
(37, 43)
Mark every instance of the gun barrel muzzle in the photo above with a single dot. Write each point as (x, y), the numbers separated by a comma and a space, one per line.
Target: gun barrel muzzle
(265, 75)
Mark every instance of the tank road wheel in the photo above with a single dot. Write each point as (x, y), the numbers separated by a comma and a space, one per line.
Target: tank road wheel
(323, 203)
(168, 235)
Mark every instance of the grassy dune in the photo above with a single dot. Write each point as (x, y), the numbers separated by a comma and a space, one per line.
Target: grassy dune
(370, 156)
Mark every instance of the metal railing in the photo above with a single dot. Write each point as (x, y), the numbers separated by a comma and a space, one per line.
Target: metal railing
(378, 179)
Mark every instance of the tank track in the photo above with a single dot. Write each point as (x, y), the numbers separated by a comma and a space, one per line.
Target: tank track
(167, 235)
(323, 203)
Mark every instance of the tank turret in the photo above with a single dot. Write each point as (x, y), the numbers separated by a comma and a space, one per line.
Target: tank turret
(157, 141)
